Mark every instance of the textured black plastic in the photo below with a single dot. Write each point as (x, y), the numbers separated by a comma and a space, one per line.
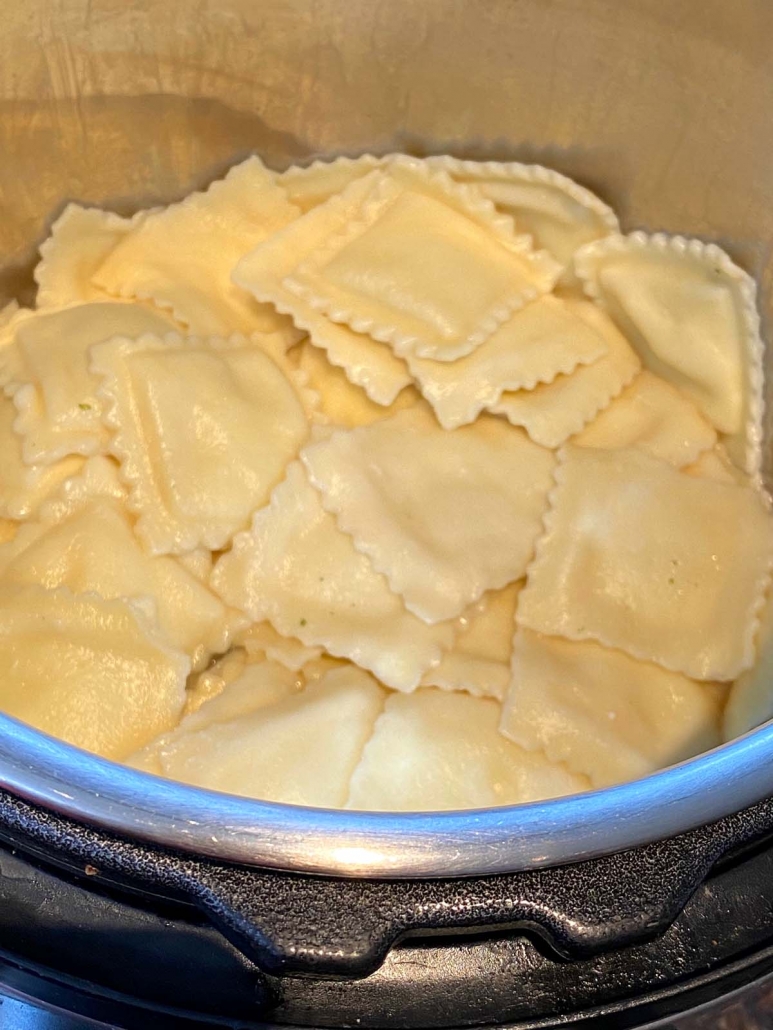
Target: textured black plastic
(147, 962)
(291, 924)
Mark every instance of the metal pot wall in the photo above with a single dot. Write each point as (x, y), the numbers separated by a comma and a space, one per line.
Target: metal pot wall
(661, 107)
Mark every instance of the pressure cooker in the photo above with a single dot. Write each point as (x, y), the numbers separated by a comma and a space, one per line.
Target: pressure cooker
(132, 901)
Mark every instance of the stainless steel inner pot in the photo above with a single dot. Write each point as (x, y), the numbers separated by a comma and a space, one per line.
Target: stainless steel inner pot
(662, 106)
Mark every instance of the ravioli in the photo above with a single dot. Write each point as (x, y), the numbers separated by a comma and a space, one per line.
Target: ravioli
(560, 215)
(444, 516)
(750, 702)
(94, 673)
(543, 340)
(53, 390)
(421, 264)
(311, 185)
(181, 257)
(23, 488)
(278, 750)
(262, 639)
(194, 470)
(264, 270)
(81, 238)
(479, 661)
(638, 556)
(552, 412)
(297, 570)
(691, 315)
(93, 549)
(340, 401)
(433, 751)
(654, 416)
(605, 714)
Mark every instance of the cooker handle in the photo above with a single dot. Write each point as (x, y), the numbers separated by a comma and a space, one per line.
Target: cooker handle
(299, 925)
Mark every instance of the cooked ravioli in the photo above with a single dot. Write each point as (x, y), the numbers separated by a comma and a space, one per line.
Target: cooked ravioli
(638, 556)
(552, 412)
(444, 516)
(55, 393)
(421, 264)
(432, 750)
(691, 314)
(181, 257)
(299, 571)
(311, 185)
(654, 416)
(195, 469)
(605, 714)
(95, 673)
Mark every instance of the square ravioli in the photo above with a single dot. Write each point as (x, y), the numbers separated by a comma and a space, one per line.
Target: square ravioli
(51, 384)
(204, 429)
(92, 672)
(479, 661)
(299, 571)
(667, 567)
(444, 516)
(181, 257)
(604, 714)
(691, 314)
(543, 340)
(750, 702)
(656, 417)
(433, 751)
(309, 186)
(552, 412)
(423, 264)
(373, 366)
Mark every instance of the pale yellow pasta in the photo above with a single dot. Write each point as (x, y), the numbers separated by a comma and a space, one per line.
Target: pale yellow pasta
(309, 186)
(422, 264)
(479, 661)
(93, 672)
(605, 714)
(715, 464)
(181, 257)
(81, 238)
(340, 401)
(691, 314)
(368, 364)
(23, 488)
(301, 749)
(262, 639)
(543, 340)
(559, 214)
(638, 556)
(552, 412)
(53, 389)
(296, 569)
(194, 470)
(654, 416)
(751, 697)
(398, 488)
(432, 750)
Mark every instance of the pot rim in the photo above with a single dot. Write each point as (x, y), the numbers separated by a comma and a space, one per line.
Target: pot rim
(480, 842)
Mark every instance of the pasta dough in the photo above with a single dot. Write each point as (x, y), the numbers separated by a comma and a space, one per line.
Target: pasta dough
(296, 569)
(479, 661)
(276, 750)
(654, 416)
(194, 470)
(692, 316)
(92, 672)
(397, 488)
(604, 714)
(638, 556)
(433, 751)
(422, 265)
(181, 257)
(53, 389)
(543, 340)
(313, 184)
(552, 412)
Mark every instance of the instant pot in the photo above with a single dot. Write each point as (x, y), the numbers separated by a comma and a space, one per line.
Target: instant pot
(135, 902)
